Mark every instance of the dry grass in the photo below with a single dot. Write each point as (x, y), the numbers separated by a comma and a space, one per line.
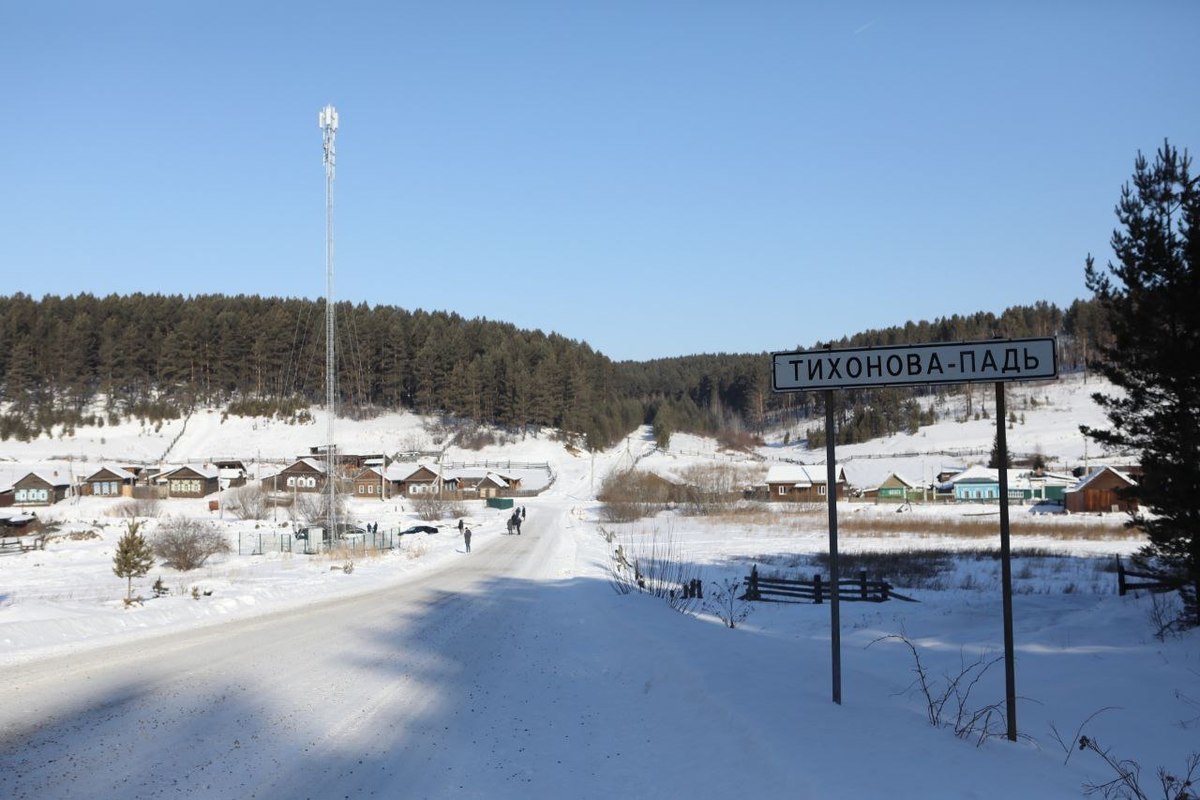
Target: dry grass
(812, 516)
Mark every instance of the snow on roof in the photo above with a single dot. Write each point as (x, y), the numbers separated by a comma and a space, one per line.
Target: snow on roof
(119, 472)
(204, 471)
(903, 480)
(1091, 476)
(51, 477)
(801, 474)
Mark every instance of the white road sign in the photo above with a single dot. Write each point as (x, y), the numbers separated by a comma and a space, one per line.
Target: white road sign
(991, 361)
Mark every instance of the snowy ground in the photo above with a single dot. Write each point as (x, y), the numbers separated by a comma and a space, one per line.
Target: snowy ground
(517, 671)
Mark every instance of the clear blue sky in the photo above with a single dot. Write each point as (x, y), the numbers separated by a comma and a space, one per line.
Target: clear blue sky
(654, 178)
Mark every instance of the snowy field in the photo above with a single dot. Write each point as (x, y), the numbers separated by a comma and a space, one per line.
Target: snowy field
(517, 671)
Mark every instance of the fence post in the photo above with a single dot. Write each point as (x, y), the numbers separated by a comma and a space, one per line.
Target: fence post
(817, 589)
(1120, 578)
(883, 590)
(862, 583)
(752, 589)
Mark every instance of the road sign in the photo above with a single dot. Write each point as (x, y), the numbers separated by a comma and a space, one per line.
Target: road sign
(991, 361)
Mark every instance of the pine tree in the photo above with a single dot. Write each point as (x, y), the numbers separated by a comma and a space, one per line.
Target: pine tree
(133, 558)
(997, 460)
(1150, 299)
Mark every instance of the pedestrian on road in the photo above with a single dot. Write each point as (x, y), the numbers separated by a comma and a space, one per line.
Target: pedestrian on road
(467, 538)
(522, 512)
(460, 526)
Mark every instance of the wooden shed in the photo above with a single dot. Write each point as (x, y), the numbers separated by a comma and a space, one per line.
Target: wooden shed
(1104, 489)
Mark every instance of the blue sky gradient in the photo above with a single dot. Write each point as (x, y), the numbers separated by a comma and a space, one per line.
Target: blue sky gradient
(654, 178)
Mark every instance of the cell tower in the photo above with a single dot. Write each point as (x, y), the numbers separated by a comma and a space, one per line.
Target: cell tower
(327, 120)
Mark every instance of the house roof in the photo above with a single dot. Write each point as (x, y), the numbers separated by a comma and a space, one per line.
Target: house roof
(1096, 473)
(206, 471)
(802, 474)
(49, 477)
(120, 473)
(406, 471)
(907, 483)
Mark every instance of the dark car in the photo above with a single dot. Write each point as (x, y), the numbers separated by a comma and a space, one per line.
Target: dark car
(419, 529)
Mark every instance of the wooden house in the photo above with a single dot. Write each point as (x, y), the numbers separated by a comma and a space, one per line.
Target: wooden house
(304, 475)
(896, 487)
(190, 481)
(803, 483)
(1104, 489)
(423, 480)
(109, 481)
(373, 483)
(483, 482)
(40, 488)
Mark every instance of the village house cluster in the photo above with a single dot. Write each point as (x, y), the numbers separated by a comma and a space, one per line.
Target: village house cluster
(1098, 490)
(366, 477)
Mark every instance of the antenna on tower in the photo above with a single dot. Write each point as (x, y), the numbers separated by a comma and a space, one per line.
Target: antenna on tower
(327, 120)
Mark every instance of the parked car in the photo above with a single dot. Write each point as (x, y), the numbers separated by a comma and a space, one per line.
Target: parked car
(419, 529)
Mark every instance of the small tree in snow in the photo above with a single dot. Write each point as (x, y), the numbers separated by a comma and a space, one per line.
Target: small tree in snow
(133, 558)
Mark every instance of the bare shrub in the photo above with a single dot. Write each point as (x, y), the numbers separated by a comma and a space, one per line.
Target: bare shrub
(715, 488)
(742, 441)
(147, 507)
(947, 701)
(1166, 615)
(1126, 782)
(653, 565)
(186, 544)
(723, 603)
(312, 508)
(248, 502)
(631, 494)
(414, 549)
(430, 507)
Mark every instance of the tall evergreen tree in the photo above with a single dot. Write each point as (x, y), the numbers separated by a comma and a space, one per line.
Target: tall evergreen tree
(1150, 298)
(998, 460)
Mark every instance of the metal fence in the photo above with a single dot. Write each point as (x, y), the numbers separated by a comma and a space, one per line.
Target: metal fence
(260, 543)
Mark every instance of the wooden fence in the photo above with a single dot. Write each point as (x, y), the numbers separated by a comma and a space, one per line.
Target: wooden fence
(782, 590)
(1151, 583)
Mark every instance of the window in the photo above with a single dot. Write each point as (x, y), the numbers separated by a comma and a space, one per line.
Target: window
(783, 490)
(291, 480)
(20, 495)
(821, 489)
(41, 494)
(362, 489)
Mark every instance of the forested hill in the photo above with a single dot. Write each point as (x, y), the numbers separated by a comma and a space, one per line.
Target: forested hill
(156, 356)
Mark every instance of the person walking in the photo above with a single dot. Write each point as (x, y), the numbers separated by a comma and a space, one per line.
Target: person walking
(467, 538)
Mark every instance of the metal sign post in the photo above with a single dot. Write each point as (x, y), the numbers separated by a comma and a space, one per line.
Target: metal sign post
(996, 361)
(835, 612)
(1010, 672)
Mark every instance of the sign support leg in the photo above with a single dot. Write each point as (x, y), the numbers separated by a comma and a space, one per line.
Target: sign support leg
(1010, 676)
(835, 621)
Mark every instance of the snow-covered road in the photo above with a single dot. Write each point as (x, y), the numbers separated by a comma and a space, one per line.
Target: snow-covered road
(497, 676)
